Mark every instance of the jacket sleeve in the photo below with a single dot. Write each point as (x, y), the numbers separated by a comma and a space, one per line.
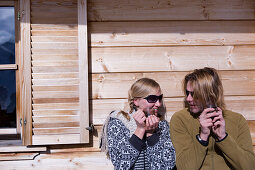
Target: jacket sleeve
(122, 153)
(160, 151)
(190, 154)
(239, 152)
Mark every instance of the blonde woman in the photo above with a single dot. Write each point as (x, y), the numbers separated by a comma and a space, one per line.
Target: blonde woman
(140, 138)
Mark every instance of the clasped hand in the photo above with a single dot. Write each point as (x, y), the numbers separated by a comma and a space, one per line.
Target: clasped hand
(146, 124)
(212, 120)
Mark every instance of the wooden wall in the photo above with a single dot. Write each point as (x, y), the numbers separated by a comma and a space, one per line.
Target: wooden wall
(163, 40)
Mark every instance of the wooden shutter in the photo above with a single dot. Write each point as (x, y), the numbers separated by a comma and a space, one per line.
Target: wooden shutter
(59, 73)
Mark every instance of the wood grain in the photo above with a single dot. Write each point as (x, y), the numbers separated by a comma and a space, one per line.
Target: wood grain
(106, 10)
(166, 33)
(172, 58)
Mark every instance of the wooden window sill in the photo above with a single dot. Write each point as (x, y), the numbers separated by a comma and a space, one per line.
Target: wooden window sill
(9, 153)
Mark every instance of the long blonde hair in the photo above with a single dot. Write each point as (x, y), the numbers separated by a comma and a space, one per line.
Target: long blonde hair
(140, 89)
(207, 86)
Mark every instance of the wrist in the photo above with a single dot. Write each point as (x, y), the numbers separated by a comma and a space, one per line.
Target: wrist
(139, 132)
(201, 141)
(204, 137)
(222, 137)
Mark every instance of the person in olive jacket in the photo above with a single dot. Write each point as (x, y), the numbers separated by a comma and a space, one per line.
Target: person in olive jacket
(205, 135)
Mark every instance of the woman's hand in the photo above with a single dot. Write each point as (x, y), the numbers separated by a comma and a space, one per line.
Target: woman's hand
(140, 118)
(152, 122)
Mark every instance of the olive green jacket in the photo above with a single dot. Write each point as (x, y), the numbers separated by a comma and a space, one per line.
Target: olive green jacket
(234, 152)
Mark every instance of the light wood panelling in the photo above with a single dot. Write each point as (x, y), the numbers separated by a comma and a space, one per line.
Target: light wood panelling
(54, 76)
(105, 85)
(69, 160)
(55, 88)
(54, 52)
(55, 27)
(25, 73)
(54, 57)
(164, 33)
(52, 82)
(54, 12)
(58, 71)
(142, 59)
(17, 156)
(54, 33)
(55, 131)
(55, 45)
(55, 139)
(116, 10)
(240, 104)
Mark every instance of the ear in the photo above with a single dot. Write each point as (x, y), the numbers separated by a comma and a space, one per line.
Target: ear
(136, 102)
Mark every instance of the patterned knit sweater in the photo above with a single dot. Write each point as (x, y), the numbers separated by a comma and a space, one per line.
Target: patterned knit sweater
(152, 153)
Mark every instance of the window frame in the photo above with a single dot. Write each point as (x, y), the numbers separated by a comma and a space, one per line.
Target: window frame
(17, 130)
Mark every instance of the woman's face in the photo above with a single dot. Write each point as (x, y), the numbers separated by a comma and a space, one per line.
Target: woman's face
(147, 105)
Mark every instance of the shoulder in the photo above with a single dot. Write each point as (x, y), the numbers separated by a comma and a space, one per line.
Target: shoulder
(181, 115)
(234, 117)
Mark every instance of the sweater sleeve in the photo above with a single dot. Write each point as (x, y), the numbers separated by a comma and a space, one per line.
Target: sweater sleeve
(239, 152)
(190, 154)
(122, 153)
(160, 151)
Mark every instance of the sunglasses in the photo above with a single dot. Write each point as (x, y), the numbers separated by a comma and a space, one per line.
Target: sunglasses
(189, 93)
(154, 98)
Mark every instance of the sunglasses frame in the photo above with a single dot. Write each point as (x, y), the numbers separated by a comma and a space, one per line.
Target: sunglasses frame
(189, 93)
(159, 98)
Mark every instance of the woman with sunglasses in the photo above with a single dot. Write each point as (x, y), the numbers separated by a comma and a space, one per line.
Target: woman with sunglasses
(139, 138)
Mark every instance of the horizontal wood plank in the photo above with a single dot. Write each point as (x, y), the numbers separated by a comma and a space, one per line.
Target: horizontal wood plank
(64, 106)
(8, 67)
(56, 39)
(54, 57)
(54, 76)
(240, 104)
(54, 33)
(105, 85)
(165, 33)
(68, 160)
(55, 139)
(54, 52)
(53, 69)
(56, 125)
(53, 112)
(21, 149)
(71, 27)
(55, 119)
(53, 94)
(56, 131)
(175, 58)
(106, 10)
(54, 45)
(18, 156)
(55, 100)
(51, 82)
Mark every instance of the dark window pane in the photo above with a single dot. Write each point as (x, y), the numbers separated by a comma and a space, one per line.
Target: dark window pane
(7, 35)
(7, 99)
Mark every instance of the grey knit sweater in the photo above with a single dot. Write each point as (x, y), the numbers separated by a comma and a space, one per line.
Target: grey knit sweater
(127, 151)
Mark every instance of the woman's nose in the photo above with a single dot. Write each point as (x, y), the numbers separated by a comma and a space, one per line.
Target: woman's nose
(157, 103)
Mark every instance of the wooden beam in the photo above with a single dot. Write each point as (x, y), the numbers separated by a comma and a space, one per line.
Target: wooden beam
(83, 70)
(166, 33)
(172, 58)
(121, 10)
(8, 67)
(25, 72)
